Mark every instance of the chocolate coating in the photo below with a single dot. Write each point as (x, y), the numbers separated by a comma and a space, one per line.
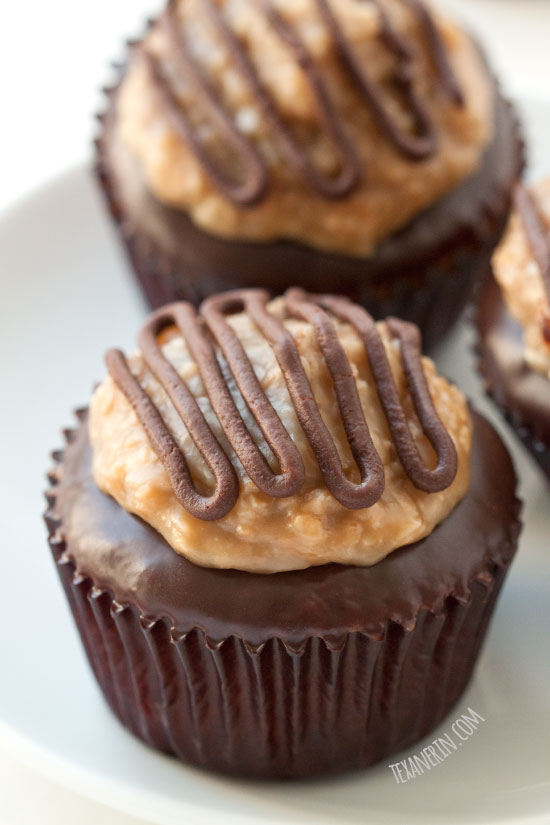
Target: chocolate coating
(423, 273)
(132, 561)
(522, 394)
(291, 674)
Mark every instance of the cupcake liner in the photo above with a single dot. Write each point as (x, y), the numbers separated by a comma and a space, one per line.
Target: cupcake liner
(278, 709)
(431, 294)
(533, 434)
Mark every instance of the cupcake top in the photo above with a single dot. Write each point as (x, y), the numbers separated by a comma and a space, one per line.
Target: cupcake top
(521, 265)
(328, 122)
(277, 435)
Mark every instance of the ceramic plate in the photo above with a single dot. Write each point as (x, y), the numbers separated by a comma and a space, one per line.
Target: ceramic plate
(66, 296)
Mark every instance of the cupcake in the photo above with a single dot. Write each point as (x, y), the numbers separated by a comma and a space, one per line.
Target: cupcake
(513, 322)
(356, 148)
(281, 533)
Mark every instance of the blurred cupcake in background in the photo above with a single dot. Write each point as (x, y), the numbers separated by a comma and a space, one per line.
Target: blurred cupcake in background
(514, 322)
(349, 147)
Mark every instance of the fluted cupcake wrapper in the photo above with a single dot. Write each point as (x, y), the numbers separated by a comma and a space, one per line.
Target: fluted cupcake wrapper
(276, 709)
(431, 295)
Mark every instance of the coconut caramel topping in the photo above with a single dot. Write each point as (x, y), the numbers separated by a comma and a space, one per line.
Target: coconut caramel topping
(538, 235)
(246, 113)
(521, 266)
(304, 402)
(414, 146)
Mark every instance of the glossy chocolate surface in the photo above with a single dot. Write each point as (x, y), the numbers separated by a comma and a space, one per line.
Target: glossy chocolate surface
(127, 557)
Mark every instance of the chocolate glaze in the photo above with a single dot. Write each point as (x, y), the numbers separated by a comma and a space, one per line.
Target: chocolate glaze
(522, 393)
(279, 710)
(450, 243)
(196, 332)
(417, 146)
(122, 554)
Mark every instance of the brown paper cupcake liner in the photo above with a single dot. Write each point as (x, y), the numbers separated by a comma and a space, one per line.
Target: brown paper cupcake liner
(432, 295)
(276, 709)
(533, 432)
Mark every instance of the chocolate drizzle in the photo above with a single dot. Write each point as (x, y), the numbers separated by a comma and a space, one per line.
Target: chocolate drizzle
(422, 477)
(191, 328)
(198, 332)
(220, 502)
(539, 240)
(438, 52)
(255, 184)
(416, 145)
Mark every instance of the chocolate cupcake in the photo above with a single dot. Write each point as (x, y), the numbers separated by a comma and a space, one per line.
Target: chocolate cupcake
(513, 322)
(282, 534)
(356, 148)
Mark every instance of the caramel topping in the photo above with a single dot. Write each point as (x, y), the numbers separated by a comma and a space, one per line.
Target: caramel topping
(438, 52)
(539, 240)
(198, 332)
(416, 145)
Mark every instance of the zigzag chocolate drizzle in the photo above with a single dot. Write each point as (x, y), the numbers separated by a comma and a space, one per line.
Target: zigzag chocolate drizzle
(438, 51)
(415, 147)
(220, 502)
(255, 183)
(538, 237)
(418, 144)
(408, 334)
(198, 332)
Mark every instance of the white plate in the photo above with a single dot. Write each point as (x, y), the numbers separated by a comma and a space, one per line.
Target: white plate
(66, 297)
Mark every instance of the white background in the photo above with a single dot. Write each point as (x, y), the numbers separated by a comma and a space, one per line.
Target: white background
(53, 60)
